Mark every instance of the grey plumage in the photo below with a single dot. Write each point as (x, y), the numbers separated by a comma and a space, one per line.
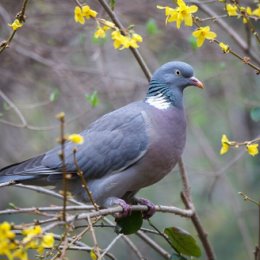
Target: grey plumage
(125, 150)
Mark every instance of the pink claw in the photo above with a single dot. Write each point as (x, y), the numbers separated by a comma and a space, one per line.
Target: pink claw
(151, 207)
(127, 210)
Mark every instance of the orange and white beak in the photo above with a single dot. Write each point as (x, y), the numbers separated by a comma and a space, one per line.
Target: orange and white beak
(195, 82)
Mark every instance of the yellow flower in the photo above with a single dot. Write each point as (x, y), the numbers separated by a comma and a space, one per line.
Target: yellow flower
(119, 39)
(131, 43)
(256, 12)
(47, 242)
(5, 248)
(16, 24)
(224, 47)
(185, 13)
(78, 15)
(33, 231)
(88, 12)
(170, 13)
(100, 33)
(30, 233)
(76, 138)
(20, 254)
(122, 42)
(93, 255)
(246, 11)
(33, 239)
(137, 37)
(5, 231)
(203, 33)
(134, 39)
(231, 10)
(7, 243)
(182, 13)
(225, 144)
(252, 149)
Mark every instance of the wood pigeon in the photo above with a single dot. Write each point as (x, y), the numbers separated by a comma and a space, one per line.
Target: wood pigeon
(125, 150)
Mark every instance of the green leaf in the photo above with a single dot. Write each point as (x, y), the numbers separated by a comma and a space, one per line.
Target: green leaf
(112, 4)
(12, 205)
(93, 99)
(130, 224)
(151, 27)
(255, 114)
(54, 95)
(192, 41)
(182, 241)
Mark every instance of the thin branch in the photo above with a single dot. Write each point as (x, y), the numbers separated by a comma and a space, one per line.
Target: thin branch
(64, 247)
(65, 175)
(201, 232)
(96, 246)
(110, 246)
(187, 200)
(163, 236)
(134, 248)
(154, 245)
(185, 181)
(21, 17)
(22, 13)
(83, 180)
(109, 211)
(8, 183)
(13, 106)
(44, 209)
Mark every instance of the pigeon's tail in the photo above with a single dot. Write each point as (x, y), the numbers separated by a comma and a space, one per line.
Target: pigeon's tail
(30, 170)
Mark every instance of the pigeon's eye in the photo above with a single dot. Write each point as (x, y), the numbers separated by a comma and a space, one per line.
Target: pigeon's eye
(177, 72)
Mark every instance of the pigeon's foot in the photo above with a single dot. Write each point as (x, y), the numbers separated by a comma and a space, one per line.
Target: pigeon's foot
(151, 207)
(127, 210)
(113, 201)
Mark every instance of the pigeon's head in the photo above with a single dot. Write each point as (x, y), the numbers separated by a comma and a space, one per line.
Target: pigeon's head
(168, 82)
(176, 74)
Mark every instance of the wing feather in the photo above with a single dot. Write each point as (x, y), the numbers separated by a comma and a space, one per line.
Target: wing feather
(112, 143)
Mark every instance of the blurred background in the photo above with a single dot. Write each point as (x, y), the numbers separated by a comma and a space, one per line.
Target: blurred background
(53, 63)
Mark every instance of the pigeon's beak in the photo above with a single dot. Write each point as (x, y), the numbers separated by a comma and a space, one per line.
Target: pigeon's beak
(195, 82)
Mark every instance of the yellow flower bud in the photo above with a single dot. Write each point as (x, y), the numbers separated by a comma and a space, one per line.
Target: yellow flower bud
(252, 149)
(76, 138)
(16, 24)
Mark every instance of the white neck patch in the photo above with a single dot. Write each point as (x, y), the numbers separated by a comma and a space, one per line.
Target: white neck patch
(158, 101)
